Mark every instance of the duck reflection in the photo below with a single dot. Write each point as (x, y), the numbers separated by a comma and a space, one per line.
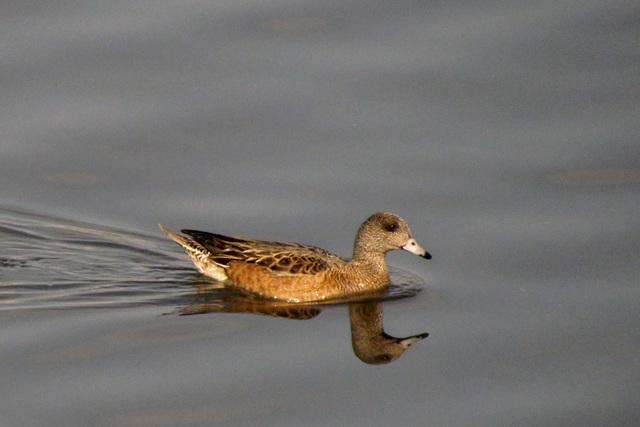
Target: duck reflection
(370, 342)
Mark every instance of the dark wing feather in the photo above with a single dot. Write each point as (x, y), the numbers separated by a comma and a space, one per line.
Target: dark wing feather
(281, 257)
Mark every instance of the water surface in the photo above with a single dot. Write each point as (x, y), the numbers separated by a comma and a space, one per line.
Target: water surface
(507, 135)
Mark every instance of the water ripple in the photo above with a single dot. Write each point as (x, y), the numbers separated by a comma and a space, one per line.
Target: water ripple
(48, 262)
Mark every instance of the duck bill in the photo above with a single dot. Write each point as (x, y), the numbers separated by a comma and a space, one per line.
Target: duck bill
(406, 342)
(413, 247)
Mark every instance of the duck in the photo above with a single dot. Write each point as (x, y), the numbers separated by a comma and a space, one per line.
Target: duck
(296, 272)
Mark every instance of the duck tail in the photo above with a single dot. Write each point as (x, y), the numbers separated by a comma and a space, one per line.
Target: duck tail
(180, 239)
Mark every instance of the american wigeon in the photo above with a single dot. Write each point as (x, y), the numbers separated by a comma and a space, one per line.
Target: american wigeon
(301, 273)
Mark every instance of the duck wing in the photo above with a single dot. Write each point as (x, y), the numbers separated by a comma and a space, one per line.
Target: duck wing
(292, 258)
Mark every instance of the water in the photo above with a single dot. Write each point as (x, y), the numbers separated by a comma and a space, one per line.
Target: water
(506, 135)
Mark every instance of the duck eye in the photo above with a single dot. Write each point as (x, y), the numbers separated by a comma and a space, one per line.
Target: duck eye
(391, 227)
(383, 358)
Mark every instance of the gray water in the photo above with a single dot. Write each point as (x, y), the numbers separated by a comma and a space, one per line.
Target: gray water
(506, 134)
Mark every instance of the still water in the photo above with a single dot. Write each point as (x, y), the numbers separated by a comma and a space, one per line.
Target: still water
(507, 135)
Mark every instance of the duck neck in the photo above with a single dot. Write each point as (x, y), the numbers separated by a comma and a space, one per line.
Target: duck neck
(374, 260)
